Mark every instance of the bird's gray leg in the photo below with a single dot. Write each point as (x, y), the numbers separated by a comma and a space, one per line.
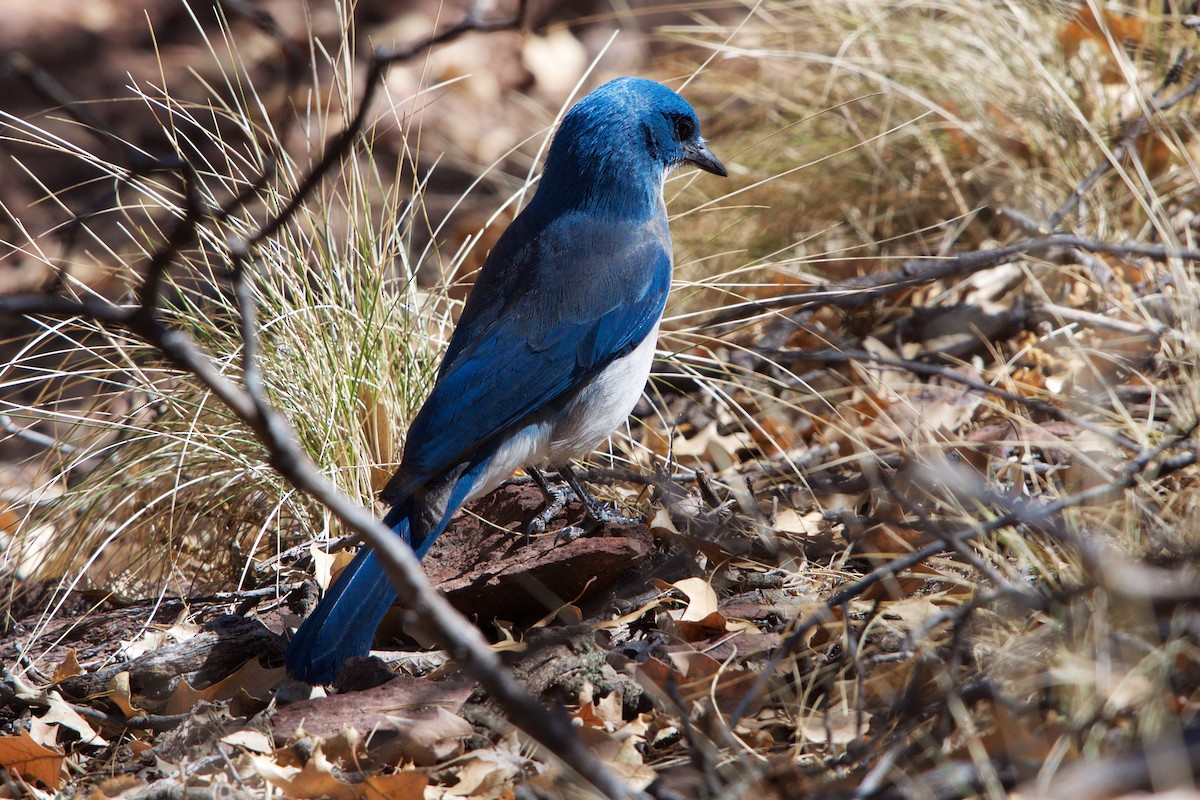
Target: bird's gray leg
(599, 511)
(556, 500)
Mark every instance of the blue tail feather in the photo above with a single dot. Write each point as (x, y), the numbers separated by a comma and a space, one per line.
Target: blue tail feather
(343, 624)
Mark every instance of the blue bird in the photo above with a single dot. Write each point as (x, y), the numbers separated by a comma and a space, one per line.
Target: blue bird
(553, 347)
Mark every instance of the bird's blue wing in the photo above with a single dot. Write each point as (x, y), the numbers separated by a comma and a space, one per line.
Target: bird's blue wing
(556, 310)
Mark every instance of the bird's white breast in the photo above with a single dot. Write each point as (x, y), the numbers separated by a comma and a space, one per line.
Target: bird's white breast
(587, 417)
(602, 405)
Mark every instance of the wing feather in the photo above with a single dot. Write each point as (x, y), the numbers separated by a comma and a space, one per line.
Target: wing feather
(541, 320)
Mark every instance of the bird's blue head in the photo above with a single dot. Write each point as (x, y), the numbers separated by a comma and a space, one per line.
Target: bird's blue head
(616, 145)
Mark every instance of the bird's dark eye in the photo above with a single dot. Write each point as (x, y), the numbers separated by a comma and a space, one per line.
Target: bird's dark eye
(684, 129)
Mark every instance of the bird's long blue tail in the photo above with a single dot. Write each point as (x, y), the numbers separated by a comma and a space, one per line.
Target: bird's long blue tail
(343, 623)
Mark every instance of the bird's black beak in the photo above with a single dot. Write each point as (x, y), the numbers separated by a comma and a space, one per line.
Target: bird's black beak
(697, 153)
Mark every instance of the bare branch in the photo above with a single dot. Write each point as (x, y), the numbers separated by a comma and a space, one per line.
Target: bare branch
(181, 234)
(49, 305)
(857, 292)
(384, 58)
(1133, 130)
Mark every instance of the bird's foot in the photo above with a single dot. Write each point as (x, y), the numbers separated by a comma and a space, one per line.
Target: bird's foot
(600, 512)
(556, 501)
(558, 496)
(568, 534)
(607, 513)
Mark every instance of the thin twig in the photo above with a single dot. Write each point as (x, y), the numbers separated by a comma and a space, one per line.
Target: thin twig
(381, 61)
(1133, 130)
(181, 234)
(857, 292)
(35, 437)
(144, 722)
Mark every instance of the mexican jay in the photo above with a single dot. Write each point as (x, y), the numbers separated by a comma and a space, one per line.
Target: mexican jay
(553, 347)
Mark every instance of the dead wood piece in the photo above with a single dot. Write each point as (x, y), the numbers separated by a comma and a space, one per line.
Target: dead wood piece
(146, 722)
(224, 644)
(406, 718)
(955, 333)
(558, 664)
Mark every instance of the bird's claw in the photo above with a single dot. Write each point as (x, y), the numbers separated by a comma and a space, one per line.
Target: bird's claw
(568, 534)
(556, 501)
(607, 514)
(598, 511)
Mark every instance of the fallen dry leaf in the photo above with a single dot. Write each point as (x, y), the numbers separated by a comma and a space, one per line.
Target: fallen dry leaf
(691, 674)
(700, 617)
(314, 780)
(837, 725)
(606, 713)
(322, 566)
(21, 755)
(406, 785)
(379, 427)
(621, 755)
(702, 599)
(251, 681)
(152, 638)
(486, 775)
(120, 693)
(43, 733)
(254, 741)
(789, 520)
(61, 713)
(69, 667)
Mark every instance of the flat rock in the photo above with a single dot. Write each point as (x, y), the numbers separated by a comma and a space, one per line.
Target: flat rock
(486, 567)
